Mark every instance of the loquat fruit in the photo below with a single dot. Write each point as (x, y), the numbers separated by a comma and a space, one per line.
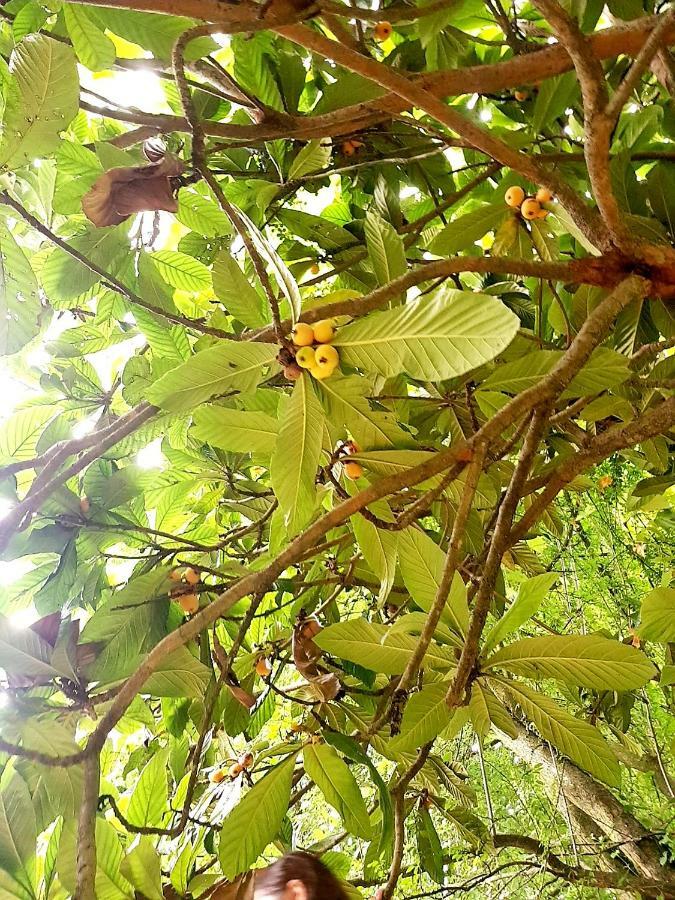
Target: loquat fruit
(529, 209)
(382, 31)
(245, 760)
(302, 335)
(543, 195)
(521, 95)
(235, 770)
(306, 357)
(605, 481)
(263, 667)
(514, 196)
(176, 575)
(217, 776)
(322, 372)
(542, 213)
(192, 576)
(353, 470)
(327, 356)
(292, 372)
(189, 603)
(315, 269)
(348, 148)
(324, 331)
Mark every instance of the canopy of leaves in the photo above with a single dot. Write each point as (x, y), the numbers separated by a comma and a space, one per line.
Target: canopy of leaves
(404, 597)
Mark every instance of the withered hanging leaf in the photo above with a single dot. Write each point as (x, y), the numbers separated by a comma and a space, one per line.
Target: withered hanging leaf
(119, 193)
(246, 699)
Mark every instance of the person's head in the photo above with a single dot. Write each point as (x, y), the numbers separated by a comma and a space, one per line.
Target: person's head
(297, 876)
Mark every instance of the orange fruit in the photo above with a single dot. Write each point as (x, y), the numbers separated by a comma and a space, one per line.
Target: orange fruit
(348, 148)
(192, 576)
(521, 95)
(382, 31)
(302, 335)
(234, 770)
(353, 470)
(324, 331)
(605, 481)
(543, 195)
(314, 269)
(530, 209)
(514, 196)
(217, 776)
(263, 667)
(189, 603)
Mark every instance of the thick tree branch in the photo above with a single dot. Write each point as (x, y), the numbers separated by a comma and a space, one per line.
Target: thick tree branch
(86, 831)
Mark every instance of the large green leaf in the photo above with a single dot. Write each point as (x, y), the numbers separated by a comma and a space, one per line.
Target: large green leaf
(110, 883)
(256, 820)
(20, 433)
(313, 157)
(236, 430)
(333, 778)
(530, 596)
(466, 229)
(227, 366)
(345, 401)
(24, 652)
(149, 801)
(202, 214)
(585, 660)
(429, 846)
(20, 305)
(658, 615)
(422, 562)
(236, 292)
(182, 271)
(43, 99)
(379, 549)
(583, 743)
(385, 249)
(426, 715)
(64, 278)
(432, 338)
(362, 642)
(295, 461)
(18, 832)
(94, 49)
(180, 674)
(142, 868)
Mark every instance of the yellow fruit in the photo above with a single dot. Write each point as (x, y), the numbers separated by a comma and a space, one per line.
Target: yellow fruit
(263, 667)
(324, 331)
(314, 269)
(235, 770)
(306, 357)
(322, 372)
(176, 575)
(217, 776)
(348, 148)
(530, 209)
(521, 95)
(382, 31)
(542, 213)
(543, 195)
(189, 603)
(246, 760)
(353, 470)
(514, 196)
(192, 576)
(302, 335)
(327, 356)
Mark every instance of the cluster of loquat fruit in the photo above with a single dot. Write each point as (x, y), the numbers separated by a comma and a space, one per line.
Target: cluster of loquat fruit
(315, 351)
(530, 207)
(189, 601)
(352, 146)
(243, 764)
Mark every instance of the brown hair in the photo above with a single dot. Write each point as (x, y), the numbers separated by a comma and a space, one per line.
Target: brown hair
(320, 882)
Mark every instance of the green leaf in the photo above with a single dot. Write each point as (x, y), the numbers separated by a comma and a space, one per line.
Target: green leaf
(20, 306)
(31, 17)
(42, 100)
(487, 710)
(236, 430)
(583, 743)
(333, 778)
(94, 49)
(429, 846)
(313, 157)
(422, 562)
(553, 97)
(295, 461)
(20, 433)
(256, 820)
(385, 249)
(182, 271)
(469, 826)
(24, 652)
(150, 799)
(432, 338)
(237, 294)
(426, 715)
(604, 370)
(227, 366)
(64, 278)
(142, 868)
(379, 549)
(466, 229)
(180, 674)
(657, 615)
(530, 596)
(374, 647)
(345, 401)
(202, 214)
(18, 832)
(585, 660)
